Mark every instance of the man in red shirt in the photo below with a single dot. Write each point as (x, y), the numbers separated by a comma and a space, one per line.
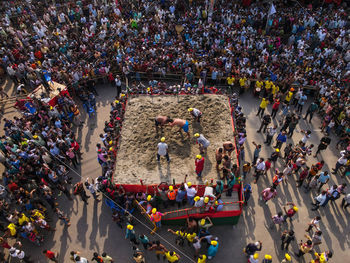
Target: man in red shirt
(199, 163)
(275, 107)
(50, 255)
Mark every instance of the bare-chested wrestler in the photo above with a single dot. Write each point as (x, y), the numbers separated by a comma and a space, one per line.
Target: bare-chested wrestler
(183, 124)
(161, 121)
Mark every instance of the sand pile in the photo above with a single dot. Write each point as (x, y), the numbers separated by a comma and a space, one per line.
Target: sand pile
(138, 146)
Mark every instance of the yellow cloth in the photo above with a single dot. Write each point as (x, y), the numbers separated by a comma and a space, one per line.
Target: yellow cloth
(289, 96)
(275, 89)
(264, 103)
(268, 84)
(23, 219)
(259, 84)
(190, 237)
(230, 81)
(242, 82)
(172, 258)
(12, 228)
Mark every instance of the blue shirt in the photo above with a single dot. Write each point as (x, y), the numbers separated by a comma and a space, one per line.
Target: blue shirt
(180, 195)
(282, 138)
(212, 250)
(323, 178)
(256, 152)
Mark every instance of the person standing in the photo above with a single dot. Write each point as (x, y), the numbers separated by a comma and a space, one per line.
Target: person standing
(281, 138)
(275, 108)
(213, 249)
(92, 190)
(267, 194)
(321, 200)
(218, 157)
(287, 237)
(118, 84)
(271, 131)
(144, 241)
(277, 219)
(17, 253)
(301, 102)
(251, 248)
(263, 105)
(172, 193)
(259, 169)
(202, 142)
(130, 234)
(257, 151)
(162, 150)
(199, 164)
(293, 209)
(292, 125)
(79, 190)
(314, 223)
(322, 180)
(191, 192)
(52, 256)
(344, 156)
(324, 142)
(156, 217)
(106, 258)
(304, 248)
(265, 121)
(311, 110)
(346, 201)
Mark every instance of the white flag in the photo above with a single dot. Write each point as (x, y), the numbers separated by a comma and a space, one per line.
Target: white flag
(272, 9)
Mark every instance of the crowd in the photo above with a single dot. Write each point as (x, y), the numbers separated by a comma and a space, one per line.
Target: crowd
(35, 151)
(79, 41)
(83, 42)
(293, 160)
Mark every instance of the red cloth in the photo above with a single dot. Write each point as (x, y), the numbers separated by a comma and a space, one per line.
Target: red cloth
(75, 145)
(38, 54)
(276, 105)
(5, 245)
(49, 254)
(267, 165)
(199, 165)
(13, 187)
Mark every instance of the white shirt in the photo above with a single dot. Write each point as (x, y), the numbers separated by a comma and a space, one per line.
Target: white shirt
(196, 112)
(82, 260)
(202, 140)
(199, 203)
(162, 148)
(191, 191)
(261, 166)
(305, 138)
(321, 198)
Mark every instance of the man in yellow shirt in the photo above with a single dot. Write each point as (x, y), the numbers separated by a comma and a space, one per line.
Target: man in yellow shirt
(258, 86)
(230, 82)
(242, 83)
(262, 107)
(275, 89)
(172, 257)
(202, 259)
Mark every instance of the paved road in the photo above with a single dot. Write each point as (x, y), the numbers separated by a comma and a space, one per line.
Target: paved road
(93, 230)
